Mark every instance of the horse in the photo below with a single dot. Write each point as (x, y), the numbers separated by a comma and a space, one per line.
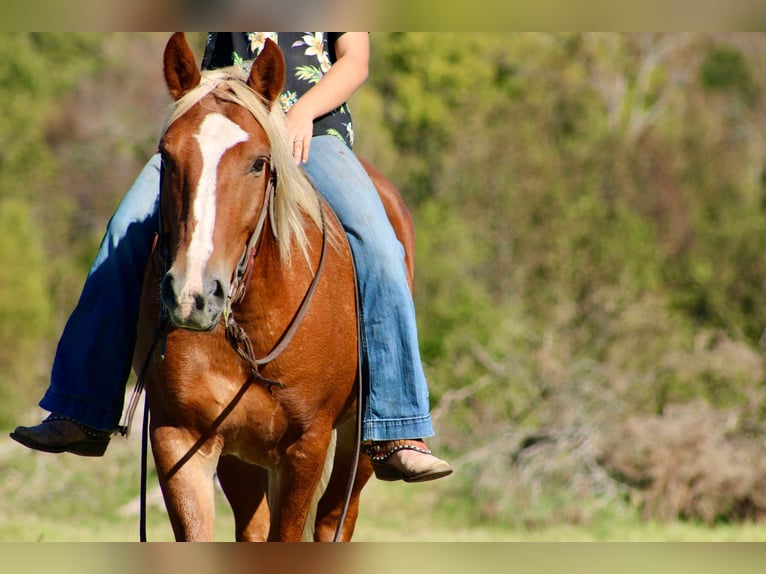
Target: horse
(250, 293)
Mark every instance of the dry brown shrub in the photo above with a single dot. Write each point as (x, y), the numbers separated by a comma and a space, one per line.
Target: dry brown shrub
(690, 463)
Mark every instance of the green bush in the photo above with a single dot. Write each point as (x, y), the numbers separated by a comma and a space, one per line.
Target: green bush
(25, 307)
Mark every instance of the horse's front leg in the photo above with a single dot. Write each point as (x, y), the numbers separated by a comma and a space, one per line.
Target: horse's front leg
(333, 500)
(296, 479)
(245, 488)
(185, 468)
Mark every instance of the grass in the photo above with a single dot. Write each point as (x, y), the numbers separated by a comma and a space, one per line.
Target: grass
(64, 498)
(388, 507)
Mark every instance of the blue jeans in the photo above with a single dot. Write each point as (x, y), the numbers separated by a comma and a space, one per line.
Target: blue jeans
(95, 352)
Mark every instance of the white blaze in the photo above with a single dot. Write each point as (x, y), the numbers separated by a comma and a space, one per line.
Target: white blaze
(216, 135)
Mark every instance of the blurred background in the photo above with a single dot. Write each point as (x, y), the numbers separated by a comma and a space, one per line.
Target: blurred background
(590, 211)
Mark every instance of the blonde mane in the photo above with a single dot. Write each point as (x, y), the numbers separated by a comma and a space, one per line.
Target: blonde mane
(295, 195)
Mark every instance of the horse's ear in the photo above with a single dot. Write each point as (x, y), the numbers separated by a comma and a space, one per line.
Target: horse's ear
(267, 76)
(181, 72)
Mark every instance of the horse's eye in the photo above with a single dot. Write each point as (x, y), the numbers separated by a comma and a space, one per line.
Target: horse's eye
(258, 166)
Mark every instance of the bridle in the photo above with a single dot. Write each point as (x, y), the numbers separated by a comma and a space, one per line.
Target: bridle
(235, 334)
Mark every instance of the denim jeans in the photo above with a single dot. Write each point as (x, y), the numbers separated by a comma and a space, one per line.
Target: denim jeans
(95, 352)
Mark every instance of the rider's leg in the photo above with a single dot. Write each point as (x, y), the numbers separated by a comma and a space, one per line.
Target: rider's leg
(397, 405)
(94, 355)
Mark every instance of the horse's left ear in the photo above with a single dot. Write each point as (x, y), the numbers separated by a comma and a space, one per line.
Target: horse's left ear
(181, 72)
(267, 76)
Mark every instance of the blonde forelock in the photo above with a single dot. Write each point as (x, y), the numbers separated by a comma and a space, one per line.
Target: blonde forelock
(295, 195)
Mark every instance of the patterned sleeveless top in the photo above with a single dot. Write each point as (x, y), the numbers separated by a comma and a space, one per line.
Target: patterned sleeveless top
(308, 56)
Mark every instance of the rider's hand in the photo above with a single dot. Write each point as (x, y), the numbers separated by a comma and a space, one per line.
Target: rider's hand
(300, 129)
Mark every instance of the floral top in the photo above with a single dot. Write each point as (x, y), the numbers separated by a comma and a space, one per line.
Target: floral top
(308, 56)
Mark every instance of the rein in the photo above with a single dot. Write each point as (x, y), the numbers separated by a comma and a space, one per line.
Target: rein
(235, 334)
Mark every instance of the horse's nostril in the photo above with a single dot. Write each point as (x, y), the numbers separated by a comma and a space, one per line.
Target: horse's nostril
(167, 291)
(218, 289)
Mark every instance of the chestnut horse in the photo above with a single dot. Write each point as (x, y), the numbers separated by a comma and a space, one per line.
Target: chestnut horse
(252, 289)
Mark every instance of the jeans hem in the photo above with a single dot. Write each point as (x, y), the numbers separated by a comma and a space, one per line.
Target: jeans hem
(396, 429)
(71, 407)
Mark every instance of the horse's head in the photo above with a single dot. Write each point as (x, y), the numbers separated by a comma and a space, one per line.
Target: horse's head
(216, 166)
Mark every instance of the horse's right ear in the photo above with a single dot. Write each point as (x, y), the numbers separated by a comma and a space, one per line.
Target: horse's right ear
(181, 72)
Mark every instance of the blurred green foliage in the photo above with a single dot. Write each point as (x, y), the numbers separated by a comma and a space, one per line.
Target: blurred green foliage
(36, 70)
(590, 220)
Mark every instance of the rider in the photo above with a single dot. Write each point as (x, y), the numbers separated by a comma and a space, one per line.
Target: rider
(93, 359)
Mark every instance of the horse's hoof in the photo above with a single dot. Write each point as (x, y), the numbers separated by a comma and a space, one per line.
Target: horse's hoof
(57, 434)
(407, 460)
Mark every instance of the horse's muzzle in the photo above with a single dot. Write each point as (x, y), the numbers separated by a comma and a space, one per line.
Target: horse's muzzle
(193, 307)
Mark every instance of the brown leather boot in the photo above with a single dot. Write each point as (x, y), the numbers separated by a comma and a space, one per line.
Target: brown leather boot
(408, 460)
(60, 434)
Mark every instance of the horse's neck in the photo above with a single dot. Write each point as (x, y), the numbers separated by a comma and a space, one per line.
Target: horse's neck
(276, 288)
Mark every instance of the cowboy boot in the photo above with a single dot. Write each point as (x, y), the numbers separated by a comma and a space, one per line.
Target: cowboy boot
(60, 434)
(407, 460)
